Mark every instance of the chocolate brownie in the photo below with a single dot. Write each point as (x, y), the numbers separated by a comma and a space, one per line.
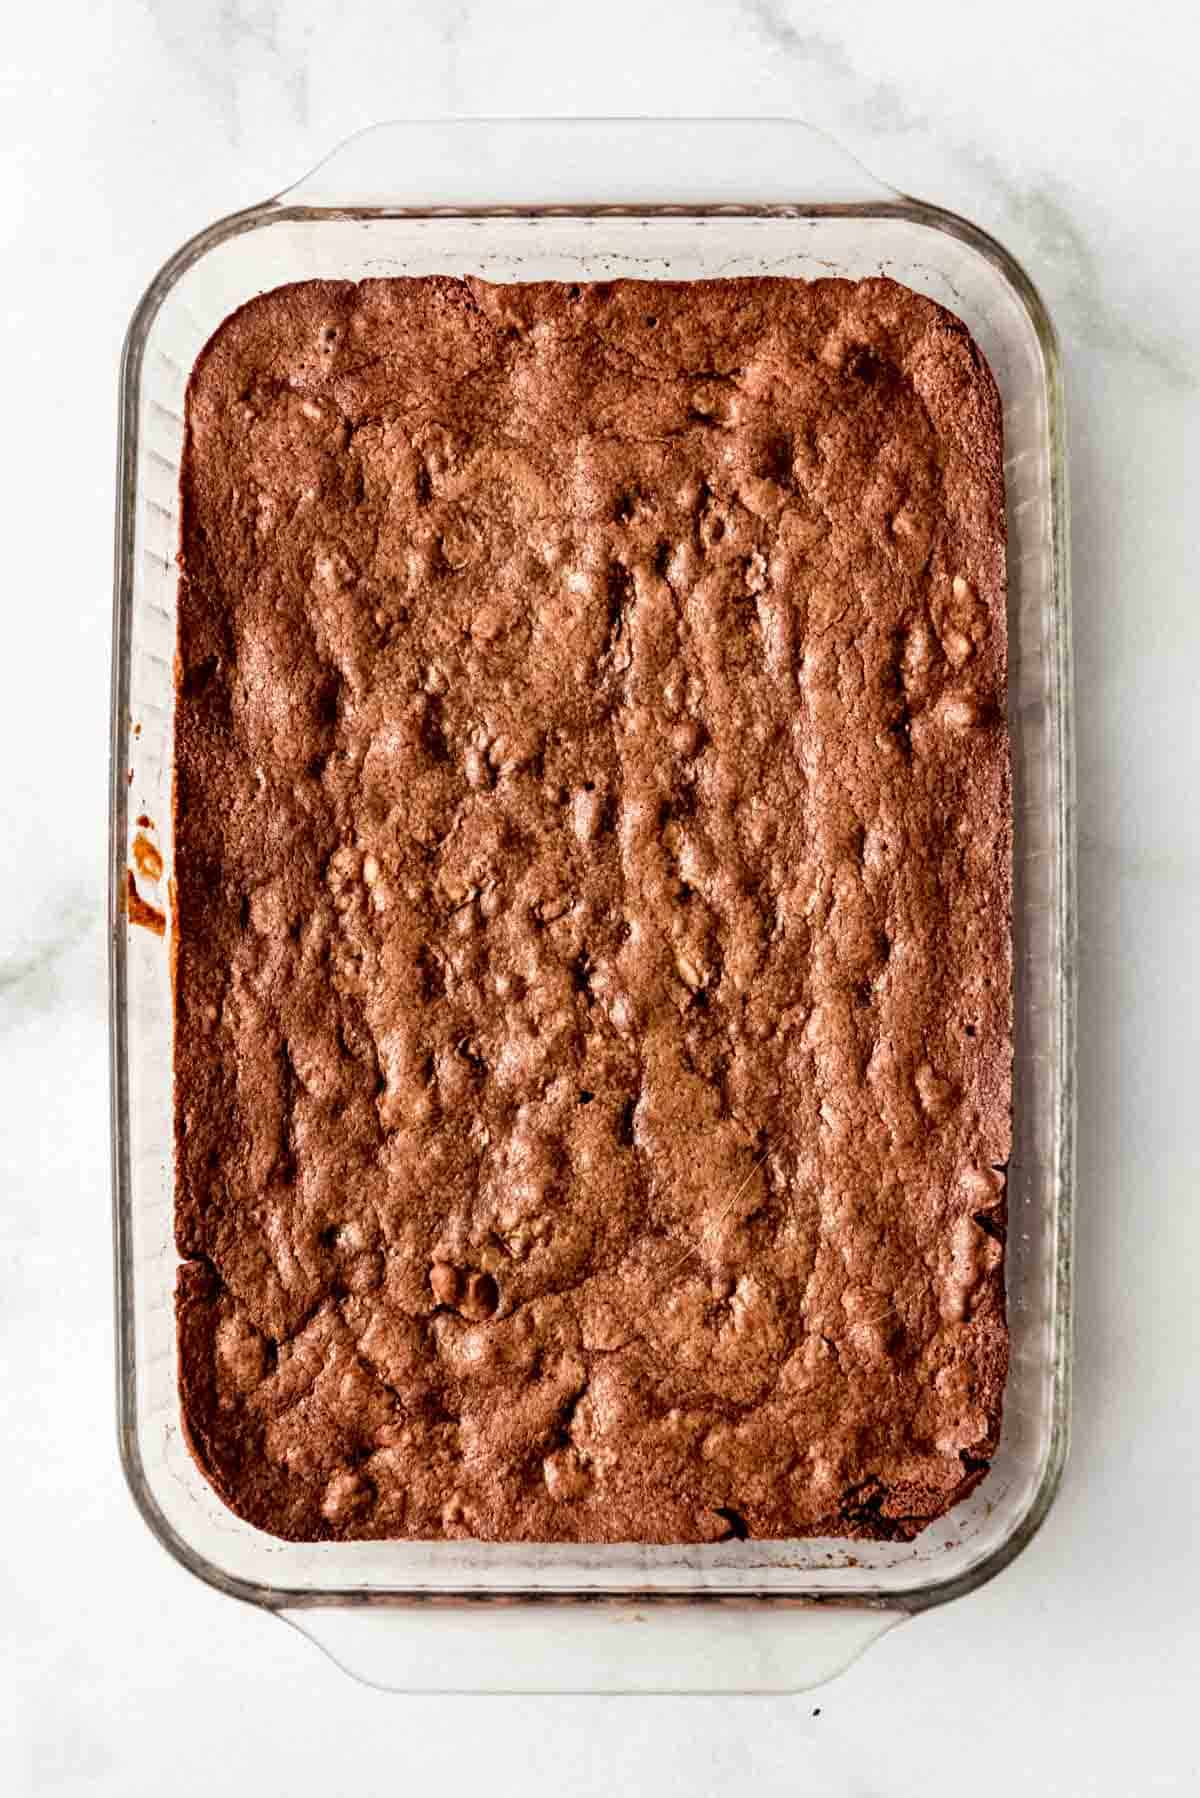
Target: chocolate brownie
(592, 825)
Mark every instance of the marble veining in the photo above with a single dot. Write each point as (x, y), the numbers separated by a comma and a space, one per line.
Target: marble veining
(31, 964)
(222, 43)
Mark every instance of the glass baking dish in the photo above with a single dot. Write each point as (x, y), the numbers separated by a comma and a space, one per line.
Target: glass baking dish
(576, 201)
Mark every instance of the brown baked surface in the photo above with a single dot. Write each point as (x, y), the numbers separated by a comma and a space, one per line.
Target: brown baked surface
(593, 943)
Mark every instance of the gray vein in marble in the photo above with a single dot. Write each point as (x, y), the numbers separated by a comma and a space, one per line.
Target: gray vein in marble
(1062, 261)
(778, 30)
(217, 39)
(453, 22)
(29, 975)
(1038, 215)
(883, 109)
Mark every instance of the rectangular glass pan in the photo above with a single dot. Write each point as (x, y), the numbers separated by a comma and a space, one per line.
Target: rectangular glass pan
(579, 201)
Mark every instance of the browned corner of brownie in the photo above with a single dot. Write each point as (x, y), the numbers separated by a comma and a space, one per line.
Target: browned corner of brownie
(593, 993)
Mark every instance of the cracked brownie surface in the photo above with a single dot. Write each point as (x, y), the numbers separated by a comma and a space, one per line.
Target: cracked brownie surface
(593, 971)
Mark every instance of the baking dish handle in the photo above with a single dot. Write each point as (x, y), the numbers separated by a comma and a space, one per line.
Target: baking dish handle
(605, 163)
(592, 1647)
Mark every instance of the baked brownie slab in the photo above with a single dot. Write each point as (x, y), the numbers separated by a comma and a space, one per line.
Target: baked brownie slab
(592, 832)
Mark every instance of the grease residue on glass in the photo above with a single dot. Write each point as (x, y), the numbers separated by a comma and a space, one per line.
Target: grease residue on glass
(148, 916)
(146, 858)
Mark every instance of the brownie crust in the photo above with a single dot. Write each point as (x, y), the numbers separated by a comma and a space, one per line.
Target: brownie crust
(593, 939)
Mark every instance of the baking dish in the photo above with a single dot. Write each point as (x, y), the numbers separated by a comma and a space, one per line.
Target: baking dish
(585, 200)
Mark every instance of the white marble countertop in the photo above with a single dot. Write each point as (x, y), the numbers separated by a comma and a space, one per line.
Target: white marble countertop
(1069, 131)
